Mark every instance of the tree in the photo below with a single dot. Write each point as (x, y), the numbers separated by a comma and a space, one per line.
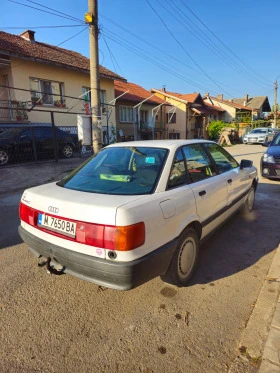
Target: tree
(215, 128)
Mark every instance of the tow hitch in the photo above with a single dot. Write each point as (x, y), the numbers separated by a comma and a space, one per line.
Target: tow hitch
(52, 265)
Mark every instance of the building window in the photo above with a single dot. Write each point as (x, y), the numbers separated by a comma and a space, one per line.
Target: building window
(144, 116)
(50, 93)
(126, 114)
(86, 91)
(170, 117)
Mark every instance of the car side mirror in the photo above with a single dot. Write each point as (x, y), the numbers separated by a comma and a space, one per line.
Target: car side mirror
(245, 163)
(266, 144)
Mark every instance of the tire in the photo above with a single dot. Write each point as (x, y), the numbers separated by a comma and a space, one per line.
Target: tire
(67, 151)
(184, 260)
(4, 157)
(250, 201)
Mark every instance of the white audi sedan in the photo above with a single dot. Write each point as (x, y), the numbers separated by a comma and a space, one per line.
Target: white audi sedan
(136, 210)
(259, 135)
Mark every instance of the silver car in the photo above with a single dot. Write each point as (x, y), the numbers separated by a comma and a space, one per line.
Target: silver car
(259, 135)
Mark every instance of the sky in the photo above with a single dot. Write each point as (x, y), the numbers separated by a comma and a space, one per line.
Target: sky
(218, 47)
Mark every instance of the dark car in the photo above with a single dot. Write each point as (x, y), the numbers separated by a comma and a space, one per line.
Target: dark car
(270, 161)
(21, 144)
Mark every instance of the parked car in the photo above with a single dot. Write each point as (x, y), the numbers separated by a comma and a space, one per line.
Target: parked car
(136, 210)
(270, 161)
(259, 135)
(21, 143)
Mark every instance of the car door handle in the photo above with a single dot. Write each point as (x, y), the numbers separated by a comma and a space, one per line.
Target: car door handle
(202, 193)
(229, 181)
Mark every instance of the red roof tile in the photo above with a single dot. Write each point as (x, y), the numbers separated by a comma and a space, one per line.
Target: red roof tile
(189, 97)
(17, 46)
(135, 93)
(217, 108)
(230, 103)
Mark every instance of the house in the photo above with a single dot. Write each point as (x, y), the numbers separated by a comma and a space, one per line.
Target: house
(259, 104)
(37, 79)
(188, 115)
(139, 113)
(232, 111)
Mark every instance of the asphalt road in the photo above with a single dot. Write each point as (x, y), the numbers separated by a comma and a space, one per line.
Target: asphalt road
(62, 324)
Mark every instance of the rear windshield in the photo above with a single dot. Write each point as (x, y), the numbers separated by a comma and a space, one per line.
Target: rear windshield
(119, 170)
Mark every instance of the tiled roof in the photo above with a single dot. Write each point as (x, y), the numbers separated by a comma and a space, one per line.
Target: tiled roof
(214, 107)
(135, 93)
(17, 46)
(256, 103)
(189, 97)
(230, 103)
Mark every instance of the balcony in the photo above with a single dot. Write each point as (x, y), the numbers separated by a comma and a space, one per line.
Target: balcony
(13, 111)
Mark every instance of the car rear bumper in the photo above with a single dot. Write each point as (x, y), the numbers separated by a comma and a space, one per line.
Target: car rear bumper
(115, 275)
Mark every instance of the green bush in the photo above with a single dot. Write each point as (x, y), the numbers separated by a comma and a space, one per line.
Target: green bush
(215, 128)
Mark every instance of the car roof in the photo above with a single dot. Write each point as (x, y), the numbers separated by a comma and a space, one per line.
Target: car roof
(158, 143)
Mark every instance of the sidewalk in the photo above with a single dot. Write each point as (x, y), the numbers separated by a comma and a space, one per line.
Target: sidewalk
(261, 338)
(19, 177)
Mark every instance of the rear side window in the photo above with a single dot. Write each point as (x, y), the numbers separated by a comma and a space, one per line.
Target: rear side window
(178, 174)
(223, 160)
(199, 164)
(119, 171)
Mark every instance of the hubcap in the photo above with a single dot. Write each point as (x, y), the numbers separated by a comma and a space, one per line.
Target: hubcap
(3, 157)
(186, 257)
(67, 151)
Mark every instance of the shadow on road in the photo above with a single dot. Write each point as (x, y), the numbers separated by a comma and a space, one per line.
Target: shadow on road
(241, 241)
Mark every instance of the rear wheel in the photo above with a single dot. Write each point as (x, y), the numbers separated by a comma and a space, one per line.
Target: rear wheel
(4, 157)
(67, 150)
(184, 260)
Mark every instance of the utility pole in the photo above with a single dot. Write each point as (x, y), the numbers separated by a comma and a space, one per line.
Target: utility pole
(92, 19)
(274, 125)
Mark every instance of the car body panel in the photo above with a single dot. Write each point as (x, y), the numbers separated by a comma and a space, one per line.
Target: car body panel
(165, 211)
(271, 169)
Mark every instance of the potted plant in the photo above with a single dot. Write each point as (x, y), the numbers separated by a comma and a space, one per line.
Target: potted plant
(20, 111)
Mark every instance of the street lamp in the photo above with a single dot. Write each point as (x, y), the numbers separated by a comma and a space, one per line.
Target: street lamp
(274, 125)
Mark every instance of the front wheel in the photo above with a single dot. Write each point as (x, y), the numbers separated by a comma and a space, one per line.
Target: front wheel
(184, 260)
(4, 157)
(250, 201)
(67, 150)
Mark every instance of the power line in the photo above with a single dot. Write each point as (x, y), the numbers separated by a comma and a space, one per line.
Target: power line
(206, 40)
(112, 56)
(224, 45)
(155, 62)
(171, 33)
(41, 10)
(148, 43)
(67, 15)
(36, 27)
(164, 52)
(72, 37)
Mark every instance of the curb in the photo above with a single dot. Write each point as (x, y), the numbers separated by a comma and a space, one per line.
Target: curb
(260, 342)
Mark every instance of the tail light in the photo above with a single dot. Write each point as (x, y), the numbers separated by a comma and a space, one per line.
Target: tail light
(28, 214)
(122, 238)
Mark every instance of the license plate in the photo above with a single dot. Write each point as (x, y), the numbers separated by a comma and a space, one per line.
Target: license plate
(65, 227)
